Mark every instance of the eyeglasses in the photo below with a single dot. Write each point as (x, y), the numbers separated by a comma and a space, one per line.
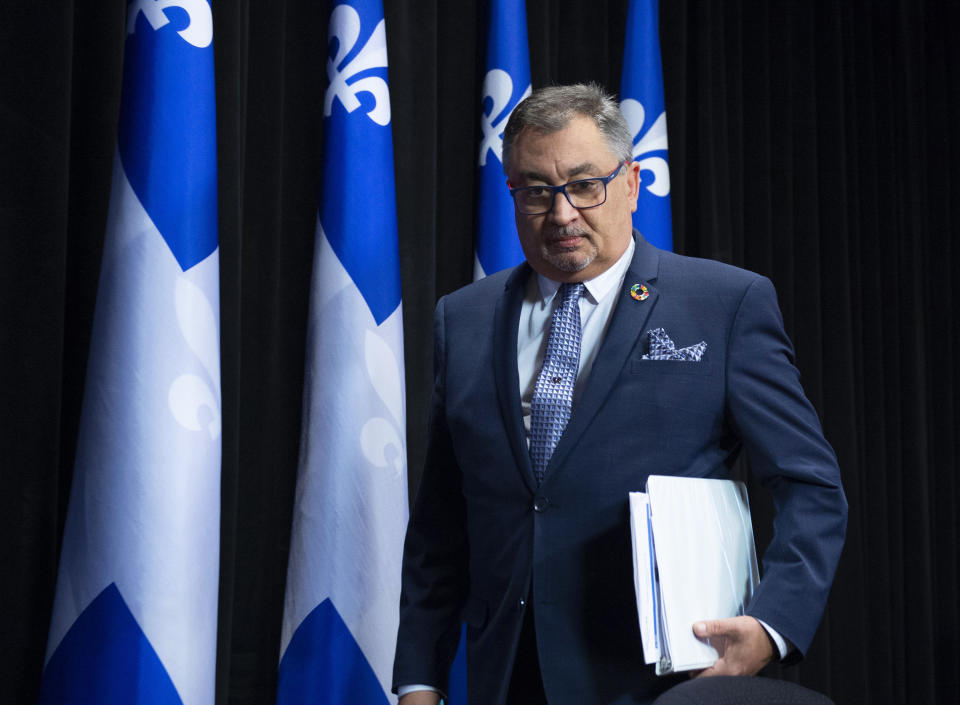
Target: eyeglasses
(581, 194)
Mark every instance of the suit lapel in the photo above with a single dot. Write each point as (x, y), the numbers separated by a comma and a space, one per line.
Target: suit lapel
(623, 334)
(506, 375)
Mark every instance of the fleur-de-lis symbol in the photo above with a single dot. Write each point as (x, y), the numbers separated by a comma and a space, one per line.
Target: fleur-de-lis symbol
(345, 28)
(498, 87)
(654, 140)
(190, 394)
(380, 438)
(199, 29)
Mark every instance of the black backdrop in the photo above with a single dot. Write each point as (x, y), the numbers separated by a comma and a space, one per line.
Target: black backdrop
(814, 142)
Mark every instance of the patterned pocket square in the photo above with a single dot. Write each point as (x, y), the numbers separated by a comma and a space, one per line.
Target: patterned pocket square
(662, 348)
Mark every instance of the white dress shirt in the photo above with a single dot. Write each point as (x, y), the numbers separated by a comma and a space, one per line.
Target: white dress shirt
(596, 310)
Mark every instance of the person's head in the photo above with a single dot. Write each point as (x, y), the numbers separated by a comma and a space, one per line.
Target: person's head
(561, 134)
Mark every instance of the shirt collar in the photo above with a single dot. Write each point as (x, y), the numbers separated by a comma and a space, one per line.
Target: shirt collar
(598, 287)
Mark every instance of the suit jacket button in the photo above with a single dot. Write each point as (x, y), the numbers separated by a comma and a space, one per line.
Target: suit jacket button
(540, 504)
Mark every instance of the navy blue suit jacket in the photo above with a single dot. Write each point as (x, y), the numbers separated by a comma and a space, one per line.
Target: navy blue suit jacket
(483, 539)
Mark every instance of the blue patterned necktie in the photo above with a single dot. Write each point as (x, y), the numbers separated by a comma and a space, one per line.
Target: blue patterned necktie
(553, 392)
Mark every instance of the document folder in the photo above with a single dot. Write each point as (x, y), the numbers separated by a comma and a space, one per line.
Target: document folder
(694, 559)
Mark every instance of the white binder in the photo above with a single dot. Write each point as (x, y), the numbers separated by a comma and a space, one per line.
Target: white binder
(694, 559)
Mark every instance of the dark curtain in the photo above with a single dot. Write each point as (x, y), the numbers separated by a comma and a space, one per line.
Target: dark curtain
(814, 142)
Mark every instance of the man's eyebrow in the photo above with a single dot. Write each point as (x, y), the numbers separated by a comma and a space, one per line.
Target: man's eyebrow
(578, 170)
(534, 176)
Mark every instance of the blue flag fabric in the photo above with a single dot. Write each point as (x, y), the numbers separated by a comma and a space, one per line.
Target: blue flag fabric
(343, 578)
(506, 83)
(135, 613)
(641, 100)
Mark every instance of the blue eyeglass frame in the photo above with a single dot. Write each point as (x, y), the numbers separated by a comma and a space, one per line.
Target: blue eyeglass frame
(562, 188)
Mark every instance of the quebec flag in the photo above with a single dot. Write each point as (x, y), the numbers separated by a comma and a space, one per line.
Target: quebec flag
(135, 613)
(343, 579)
(505, 84)
(641, 94)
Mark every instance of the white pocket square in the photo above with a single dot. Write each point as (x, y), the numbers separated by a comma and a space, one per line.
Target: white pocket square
(662, 348)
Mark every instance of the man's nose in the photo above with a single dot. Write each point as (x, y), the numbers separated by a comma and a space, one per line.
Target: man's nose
(562, 212)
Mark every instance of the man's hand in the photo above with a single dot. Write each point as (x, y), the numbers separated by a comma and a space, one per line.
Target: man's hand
(742, 643)
(420, 697)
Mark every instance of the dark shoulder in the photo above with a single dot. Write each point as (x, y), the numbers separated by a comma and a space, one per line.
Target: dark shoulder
(698, 273)
(486, 291)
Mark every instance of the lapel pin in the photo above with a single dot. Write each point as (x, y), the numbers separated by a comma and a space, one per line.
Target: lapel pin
(639, 292)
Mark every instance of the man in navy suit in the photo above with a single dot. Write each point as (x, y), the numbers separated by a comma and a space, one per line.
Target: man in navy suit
(536, 559)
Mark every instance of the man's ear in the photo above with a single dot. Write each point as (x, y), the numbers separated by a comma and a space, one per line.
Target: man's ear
(633, 184)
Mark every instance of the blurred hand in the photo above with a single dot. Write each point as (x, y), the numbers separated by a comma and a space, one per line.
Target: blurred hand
(741, 642)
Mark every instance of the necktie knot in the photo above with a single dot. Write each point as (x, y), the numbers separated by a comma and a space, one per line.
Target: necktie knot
(571, 292)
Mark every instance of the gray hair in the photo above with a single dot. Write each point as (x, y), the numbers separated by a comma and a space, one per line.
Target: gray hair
(548, 110)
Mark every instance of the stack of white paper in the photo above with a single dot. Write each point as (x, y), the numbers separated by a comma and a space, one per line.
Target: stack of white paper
(694, 559)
